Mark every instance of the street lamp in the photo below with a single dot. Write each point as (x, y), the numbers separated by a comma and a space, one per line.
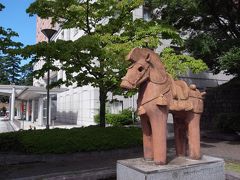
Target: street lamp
(49, 34)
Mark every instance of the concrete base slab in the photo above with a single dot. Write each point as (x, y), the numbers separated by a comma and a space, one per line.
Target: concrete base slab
(180, 168)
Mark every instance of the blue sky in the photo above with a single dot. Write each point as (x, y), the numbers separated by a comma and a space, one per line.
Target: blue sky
(14, 16)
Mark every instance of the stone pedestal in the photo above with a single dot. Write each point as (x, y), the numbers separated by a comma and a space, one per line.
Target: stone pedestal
(181, 168)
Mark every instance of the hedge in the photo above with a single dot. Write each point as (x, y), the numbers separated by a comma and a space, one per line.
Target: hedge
(124, 118)
(91, 138)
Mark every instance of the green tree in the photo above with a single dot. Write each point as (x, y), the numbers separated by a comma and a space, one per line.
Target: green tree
(26, 75)
(109, 32)
(13, 68)
(230, 61)
(3, 73)
(211, 28)
(9, 62)
(180, 64)
(6, 42)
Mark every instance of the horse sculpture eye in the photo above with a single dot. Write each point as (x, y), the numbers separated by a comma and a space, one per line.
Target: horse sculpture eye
(140, 69)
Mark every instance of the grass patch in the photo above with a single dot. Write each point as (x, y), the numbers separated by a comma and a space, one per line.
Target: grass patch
(70, 140)
(232, 166)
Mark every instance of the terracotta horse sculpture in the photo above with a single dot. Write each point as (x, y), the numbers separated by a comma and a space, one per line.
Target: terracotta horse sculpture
(158, 95)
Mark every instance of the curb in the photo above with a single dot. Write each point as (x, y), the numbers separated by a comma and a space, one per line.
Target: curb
(232, 175)
(107, 173)
(15, 159)
(90, 174)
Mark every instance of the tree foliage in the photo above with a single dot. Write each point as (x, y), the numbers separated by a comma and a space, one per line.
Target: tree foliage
(6, 42)
(3, 73)
(26, 75)
(211, 28)
(10, 63)
(13, 68)
(179, 64)
(109, 33)
(10, 70)
(230, 61)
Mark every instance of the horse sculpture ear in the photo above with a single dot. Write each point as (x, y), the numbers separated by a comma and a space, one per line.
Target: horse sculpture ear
(128, 57)
(136, 54)
(157, 71)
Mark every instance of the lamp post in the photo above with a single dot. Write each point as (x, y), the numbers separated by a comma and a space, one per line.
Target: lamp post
(49, 34)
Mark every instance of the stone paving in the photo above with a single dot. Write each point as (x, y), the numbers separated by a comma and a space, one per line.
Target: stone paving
(5, 126)
(228, 150)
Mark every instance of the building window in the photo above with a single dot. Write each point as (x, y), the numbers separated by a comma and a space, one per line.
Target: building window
(62, 34)
(75, 32)
(54, 79)
(146, 14)
(115, 106)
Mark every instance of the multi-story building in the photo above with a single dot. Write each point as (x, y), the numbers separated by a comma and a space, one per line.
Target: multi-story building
(78, 105)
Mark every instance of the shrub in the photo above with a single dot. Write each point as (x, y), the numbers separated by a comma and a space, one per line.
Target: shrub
(124, 118)
(10, 142)
(92, 138)
(228, 122)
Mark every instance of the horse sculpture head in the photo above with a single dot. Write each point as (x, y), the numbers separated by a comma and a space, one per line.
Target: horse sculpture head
(146, 65)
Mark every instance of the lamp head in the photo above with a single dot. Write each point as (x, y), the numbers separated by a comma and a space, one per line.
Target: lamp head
(48, 33)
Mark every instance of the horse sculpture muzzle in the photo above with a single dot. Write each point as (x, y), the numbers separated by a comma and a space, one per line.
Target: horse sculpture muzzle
(125, 84)
(136, 74)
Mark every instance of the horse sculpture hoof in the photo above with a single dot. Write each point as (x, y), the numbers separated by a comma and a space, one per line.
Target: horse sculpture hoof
(159, 163)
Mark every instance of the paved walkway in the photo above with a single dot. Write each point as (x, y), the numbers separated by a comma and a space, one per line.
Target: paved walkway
(26, 125)
(100, 164)
(228, 150)
(5, 126)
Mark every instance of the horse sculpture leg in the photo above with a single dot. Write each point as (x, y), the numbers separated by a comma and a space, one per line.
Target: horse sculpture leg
(158, 121)
(147, 138)
(194, 135)
(180, 131)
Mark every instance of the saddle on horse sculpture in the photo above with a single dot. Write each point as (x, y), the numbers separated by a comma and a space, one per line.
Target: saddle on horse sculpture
(181, 93)
(183, 97)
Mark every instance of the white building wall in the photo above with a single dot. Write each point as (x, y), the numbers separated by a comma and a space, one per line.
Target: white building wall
(138, 13)
(78, 106)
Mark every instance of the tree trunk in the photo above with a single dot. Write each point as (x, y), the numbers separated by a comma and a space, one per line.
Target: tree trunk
(102, 98)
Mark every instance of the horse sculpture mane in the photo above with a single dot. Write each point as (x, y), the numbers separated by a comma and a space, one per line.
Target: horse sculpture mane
(158, 95)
